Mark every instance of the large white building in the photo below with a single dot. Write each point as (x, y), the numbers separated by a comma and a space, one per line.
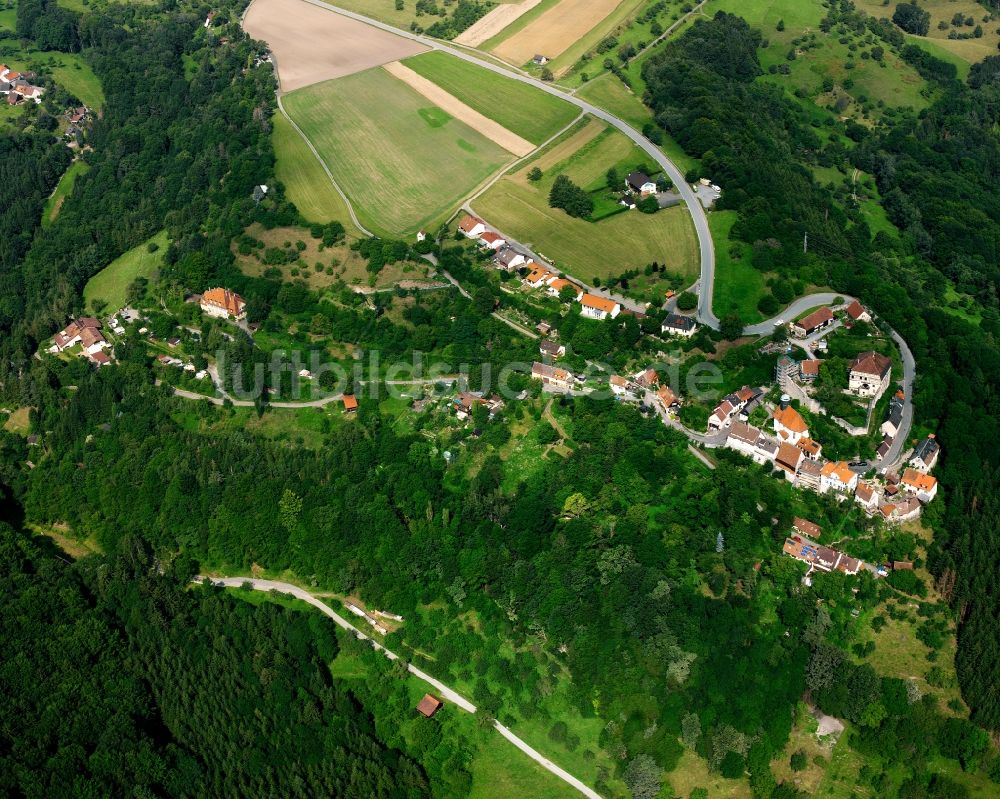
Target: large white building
(869, 375)
(223, 303)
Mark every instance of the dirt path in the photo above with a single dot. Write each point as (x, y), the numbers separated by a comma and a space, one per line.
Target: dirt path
(493, 131)
(494, 22)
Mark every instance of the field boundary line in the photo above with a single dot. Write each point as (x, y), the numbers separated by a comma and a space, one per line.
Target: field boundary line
(333, 181)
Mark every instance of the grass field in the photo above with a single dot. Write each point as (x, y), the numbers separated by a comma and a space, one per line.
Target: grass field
(306, 183)
(969, 50)
(589, 249)
(403, 164)
(738, 286)
(63, 190)
(111, 283)
(894, 83)
(69, 70)
(520, 108)
(8, 19)
(18, 421)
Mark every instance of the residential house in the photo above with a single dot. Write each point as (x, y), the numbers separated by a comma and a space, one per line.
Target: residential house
(677, 325)
(600, 308)
(923, 485)
(904, 510)
(647, 378)
(746, 400)
(73, 332)
(492, 241)
(722, 416)
(806, 527)
(868, 497)
(543, 328)
(223, 303)
(817, 320)
(472, 227)
(538, 276)
(627, 200)
(508, 258)
(785, 369)
(466, 401)
(667, 399)
(809, 370)
(788, 458)
(767, 449)
(788, 423)
(619, 385)
(925, 455)
(540, 60)
(869, 374)
(810, 476)
(883, 448)
(556, 286)
(743, 438)
(837, 477)
(894, 417)
(640, 182)
(99, 358)
(551, 348)
(810, 448)
(92, 341)
(857, 313)
(552, 376)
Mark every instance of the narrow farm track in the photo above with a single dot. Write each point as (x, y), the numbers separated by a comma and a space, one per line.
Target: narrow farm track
(449, 694)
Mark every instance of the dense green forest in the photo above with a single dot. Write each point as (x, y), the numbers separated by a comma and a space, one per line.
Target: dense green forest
(173, 692)
(642, 589)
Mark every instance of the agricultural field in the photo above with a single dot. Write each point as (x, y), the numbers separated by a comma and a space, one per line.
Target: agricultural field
(563, 28)
(396, 190)
(494, 22)
(63, 190)
(111, 283)
(306, 183)
(947, 12)
(622, 240)
(824, 62)
(520, 108)
(321, 268)
(311, 44)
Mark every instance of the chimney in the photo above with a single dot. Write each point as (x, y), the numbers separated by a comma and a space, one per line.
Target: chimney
(785, 399)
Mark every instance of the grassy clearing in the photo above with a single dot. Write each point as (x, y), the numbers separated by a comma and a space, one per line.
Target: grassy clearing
(306, 183)
(601, 249)
(69, 70)
(738, 286)
(969, 50)
(893, 83)
(692, 772)
(111, 283)
(74, 546)
(8, 19)
(520, 108)
(18, 421)
(358, 124)
(305, 427)
(340, 264)
(63, 190)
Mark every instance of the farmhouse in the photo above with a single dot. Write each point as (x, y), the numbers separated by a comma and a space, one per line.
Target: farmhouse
(788, 423)
(869, 375)
(552, 349)
(922, 485)
(640, 182)
(677, 325)
(925, 455)
(472, 227)
(223, 303)
(552, 376)
(817, 320)
(540, 60)
(594, 307)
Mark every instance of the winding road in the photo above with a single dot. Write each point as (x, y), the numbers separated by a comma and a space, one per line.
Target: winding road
(443, 690)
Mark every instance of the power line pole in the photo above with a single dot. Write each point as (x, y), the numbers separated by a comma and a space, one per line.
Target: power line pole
(805, 243)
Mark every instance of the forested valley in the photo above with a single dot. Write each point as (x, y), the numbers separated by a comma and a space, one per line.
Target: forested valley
(641, 590)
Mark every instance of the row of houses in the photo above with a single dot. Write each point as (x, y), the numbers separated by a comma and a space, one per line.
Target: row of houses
(823, 317)
(733, 407)
(638, 385)
(801, 545)
(17, 86)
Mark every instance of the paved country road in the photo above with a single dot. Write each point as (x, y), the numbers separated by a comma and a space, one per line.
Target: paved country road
(447, 693)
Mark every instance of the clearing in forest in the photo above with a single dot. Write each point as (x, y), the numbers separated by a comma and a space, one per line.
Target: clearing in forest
(311, 44)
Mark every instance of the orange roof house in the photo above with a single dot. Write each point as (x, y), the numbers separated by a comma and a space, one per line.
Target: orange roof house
(223, 302)
(599, 307)
(923, 485)
(350, 403)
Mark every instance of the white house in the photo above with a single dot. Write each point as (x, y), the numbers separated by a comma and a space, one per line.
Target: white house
(640, 182)
(556, 286)
(857, 312)
(552, 376)
(677, 325)
(867, 496)
(743, 438)
(492, 241)
(894, 418)
(472, 227)
(925, 455)
(538, 276)
(869, 375)
(619, 385)
(722, 416)
(551, 348)
(924, 486)
(788, 423)
(509, 258)
(837, 476)
(594, 307)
